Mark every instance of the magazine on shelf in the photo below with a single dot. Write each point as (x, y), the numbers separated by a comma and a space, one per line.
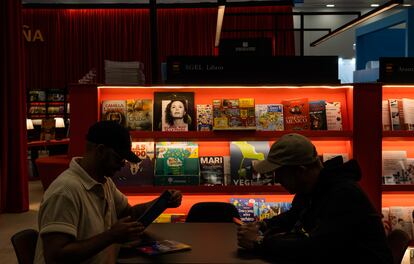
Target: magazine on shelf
(317, 114)
(114, 110)
(269, 117)
(211, 170)
(138, 174)
(296, 114)
(333, 115)
(269, 209)
(243, 155)
(386, 122)
(234, 114)
(408, 110)
(248, 208)
(393, 167)
(174, 112)
(396, 114)
(139, 114)
(204, 117)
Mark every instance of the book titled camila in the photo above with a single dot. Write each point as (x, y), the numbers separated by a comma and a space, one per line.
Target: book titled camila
(114, 110)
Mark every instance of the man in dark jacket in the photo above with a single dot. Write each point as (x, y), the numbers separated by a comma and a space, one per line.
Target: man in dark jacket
(331, 219)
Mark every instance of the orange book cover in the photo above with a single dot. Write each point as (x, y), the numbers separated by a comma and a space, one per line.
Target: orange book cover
(296, 114)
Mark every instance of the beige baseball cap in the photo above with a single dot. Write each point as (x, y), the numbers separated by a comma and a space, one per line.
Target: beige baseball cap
(290, 149)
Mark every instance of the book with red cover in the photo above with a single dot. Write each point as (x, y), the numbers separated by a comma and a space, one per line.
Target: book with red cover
(296, 114)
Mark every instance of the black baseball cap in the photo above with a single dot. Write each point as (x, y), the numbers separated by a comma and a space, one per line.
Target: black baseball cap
(115, 136)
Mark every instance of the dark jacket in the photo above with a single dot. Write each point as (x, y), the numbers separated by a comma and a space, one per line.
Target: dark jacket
(336, 223)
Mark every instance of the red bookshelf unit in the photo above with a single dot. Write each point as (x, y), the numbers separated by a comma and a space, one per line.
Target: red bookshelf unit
(398, 195)
(359, 111)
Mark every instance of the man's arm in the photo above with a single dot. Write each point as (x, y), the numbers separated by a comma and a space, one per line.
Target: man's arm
(137, 210)
(64, 248)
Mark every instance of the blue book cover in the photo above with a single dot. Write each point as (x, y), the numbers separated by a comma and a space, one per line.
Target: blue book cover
(248, 208)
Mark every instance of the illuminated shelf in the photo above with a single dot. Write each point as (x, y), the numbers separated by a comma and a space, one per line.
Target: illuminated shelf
(398, 188)
(205, 190)
(235, 135)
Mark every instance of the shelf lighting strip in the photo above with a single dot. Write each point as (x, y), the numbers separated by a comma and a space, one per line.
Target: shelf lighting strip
(225, 87)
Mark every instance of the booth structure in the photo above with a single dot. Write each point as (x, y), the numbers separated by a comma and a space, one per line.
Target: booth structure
(392, 36)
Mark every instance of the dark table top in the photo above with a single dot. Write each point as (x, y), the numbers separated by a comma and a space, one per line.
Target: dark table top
(210, 243)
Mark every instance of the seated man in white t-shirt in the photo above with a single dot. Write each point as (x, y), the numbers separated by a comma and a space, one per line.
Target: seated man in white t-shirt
(83, 217)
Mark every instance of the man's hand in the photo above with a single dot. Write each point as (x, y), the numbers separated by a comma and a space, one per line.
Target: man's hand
(175, 200)
(247, 235)
(126, 230)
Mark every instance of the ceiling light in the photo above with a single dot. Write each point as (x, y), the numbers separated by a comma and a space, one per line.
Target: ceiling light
(357, 21)
(330, 5)
(374, 5)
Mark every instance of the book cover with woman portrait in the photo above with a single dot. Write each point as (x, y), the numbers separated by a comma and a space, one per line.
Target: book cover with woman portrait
(174, 112)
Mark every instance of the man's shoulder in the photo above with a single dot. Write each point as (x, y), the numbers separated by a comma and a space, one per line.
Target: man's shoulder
(67, 182)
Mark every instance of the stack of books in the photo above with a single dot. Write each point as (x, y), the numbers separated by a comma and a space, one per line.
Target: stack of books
(124, 72)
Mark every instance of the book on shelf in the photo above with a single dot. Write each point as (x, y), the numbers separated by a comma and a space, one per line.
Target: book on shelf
(55, 95)
(269, 117)
(56, 108)
(174, 112)
(385, 218)
(328, 156)
(269, 209)
(394, 168)
(176, 163)
(248, 208)
(234, 114)
(386, 122)
(317, 115)
(138, 174)
(48, 129)
(401, 217)
(204, 117)
(296, 114)
(139, 114)
(211, 170)
(37, 108)
(114, 110)
(333, 116)
(408, 111)
(243, 154)
(396, 114)
(37, 96)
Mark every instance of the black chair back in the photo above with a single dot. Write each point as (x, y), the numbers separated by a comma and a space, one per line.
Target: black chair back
(398, 240)
(24, 244)
(212, 212)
